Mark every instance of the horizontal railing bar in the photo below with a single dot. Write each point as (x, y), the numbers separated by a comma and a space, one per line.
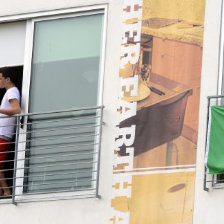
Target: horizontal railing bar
(88, 152)
(7, 200)
(7, 143)
(56, 160)
(50, 157)
(57, 128)
(215, 96)
(41, 118)
(55, 183)
(48, 175)
(62, 128)
(22, 168)
(78, 152)
(34, 176)
(217, 187)
(59, 136)
(46, 157)
(25, 167)
(64, 119)
(8, 178)
(49, 130)
(61, 181)
(57, 198)
(209, 181)
(55, 112)
(21, 186)
(34, 165)
(63, 125)
(62, 146)
(30, 140)
(76, 144)
(8, 187)
(65, 137)
(50, 171)
(76, 170)
(5, 196)
(50, 121)
(45, 121)
(57, 120)
(58, 191)
(51, 174)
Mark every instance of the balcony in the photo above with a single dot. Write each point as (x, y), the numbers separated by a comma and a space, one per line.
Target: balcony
(54, 155)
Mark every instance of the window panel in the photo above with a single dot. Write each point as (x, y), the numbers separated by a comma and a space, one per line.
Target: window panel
(62, 148)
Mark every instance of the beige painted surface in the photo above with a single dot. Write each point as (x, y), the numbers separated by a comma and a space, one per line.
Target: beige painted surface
(162, 198)
(182, 153)
(169, 195)
(175, 9)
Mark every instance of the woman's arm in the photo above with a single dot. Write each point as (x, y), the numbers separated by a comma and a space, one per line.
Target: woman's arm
(14, 110)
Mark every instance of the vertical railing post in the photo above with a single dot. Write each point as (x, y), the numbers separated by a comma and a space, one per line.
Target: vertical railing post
(99, 151)
(205, 169)
(15, 160)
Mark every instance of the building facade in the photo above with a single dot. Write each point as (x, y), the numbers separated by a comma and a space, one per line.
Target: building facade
(114, 110)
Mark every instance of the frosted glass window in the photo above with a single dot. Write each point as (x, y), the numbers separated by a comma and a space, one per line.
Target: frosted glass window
(66, 62)
(65, 74)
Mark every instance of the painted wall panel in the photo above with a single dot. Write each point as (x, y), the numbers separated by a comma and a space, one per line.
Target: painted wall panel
(160, 75)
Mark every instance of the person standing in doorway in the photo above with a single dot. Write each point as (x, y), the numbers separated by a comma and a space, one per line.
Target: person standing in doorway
(10, 106)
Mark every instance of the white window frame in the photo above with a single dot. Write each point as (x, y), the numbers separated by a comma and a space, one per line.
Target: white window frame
(31, 19)
(221, 53)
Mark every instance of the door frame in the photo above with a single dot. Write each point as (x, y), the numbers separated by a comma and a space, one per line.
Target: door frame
(75, 12)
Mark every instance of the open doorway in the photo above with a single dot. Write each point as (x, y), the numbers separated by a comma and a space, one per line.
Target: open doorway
(9, 162)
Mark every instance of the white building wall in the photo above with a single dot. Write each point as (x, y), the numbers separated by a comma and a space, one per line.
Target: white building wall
(208, 206)
(91, 210)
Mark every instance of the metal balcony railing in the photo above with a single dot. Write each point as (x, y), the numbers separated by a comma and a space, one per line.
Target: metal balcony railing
(213, 181)
(54, 155)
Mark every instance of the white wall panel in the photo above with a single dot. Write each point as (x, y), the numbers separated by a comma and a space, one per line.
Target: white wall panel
(12, 40)
(208, 206)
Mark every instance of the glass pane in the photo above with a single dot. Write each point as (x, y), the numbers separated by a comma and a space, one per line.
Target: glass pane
(65, 65)
(61, 148)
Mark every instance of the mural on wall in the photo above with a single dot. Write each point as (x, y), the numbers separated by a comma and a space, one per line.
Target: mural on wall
(155, 154)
